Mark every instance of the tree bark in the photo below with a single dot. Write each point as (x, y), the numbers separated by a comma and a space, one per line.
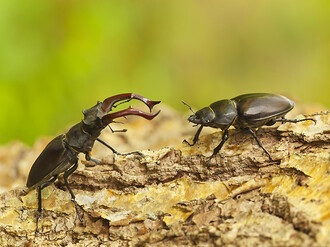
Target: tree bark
(169, 196)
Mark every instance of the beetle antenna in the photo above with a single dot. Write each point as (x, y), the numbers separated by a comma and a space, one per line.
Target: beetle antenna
(113, 131)
(117, 122)
(188, 106)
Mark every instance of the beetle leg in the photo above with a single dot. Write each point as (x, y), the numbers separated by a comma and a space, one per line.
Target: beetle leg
(89, 158)
(283, 120)
(259, 143)
(114, 151)
(196, 137)
(42, 186)
(73, 198)
(217, 149)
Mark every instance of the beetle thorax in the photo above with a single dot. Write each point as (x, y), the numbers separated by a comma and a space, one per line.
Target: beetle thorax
(225, 113)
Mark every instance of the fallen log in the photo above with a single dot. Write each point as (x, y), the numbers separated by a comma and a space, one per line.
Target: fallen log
(170, 197)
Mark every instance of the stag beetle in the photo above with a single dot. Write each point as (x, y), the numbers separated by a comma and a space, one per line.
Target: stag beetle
(247, 111)
(61, 154)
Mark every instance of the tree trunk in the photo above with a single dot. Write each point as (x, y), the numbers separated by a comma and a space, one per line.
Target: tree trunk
(169, 196)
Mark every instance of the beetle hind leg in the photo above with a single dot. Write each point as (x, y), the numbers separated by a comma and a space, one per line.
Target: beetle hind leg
(73, 198)
(42, 186)
(284, 120)
(259, 143)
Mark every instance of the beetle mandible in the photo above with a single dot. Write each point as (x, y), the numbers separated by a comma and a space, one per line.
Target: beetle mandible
(61, 154)
(247, 111)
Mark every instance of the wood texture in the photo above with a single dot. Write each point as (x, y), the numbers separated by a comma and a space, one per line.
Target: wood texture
(169, 197)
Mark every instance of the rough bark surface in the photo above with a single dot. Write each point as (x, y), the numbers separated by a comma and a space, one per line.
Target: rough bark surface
(170, 197)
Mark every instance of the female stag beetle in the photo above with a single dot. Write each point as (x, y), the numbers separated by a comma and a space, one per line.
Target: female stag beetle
(61, 154)
(247, 111)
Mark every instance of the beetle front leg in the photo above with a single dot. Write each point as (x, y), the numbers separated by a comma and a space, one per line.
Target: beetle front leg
(259, 143)
(196, 137)
(89, 158)
(42, 186)
(73, 198)
(217, 149)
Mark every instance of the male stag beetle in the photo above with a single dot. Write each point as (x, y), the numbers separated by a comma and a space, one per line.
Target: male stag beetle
(61, 154)
(247, 111)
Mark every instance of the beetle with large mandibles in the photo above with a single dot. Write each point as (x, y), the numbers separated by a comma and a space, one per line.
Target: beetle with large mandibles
(61, 154)
(244, 112)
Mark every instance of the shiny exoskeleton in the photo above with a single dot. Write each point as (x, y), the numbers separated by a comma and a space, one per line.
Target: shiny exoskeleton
(61, 154)
(244, 112)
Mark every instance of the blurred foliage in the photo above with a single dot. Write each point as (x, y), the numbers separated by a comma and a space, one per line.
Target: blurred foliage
(59, 57)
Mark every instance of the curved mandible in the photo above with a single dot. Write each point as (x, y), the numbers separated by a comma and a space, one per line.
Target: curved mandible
(129, 111)
(108, 103)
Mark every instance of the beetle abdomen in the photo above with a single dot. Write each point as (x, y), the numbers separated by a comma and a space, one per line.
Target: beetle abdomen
(54, 159)
(260, 107)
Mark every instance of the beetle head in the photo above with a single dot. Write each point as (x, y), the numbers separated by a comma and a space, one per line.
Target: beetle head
(98, 114)
(203, 116)
(220, 114)
(91, 114)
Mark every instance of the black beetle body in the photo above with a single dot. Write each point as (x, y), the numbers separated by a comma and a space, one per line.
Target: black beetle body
(61, 154)
(247, 111)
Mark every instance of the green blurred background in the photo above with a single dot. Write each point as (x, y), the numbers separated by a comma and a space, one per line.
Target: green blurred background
(59, 57)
